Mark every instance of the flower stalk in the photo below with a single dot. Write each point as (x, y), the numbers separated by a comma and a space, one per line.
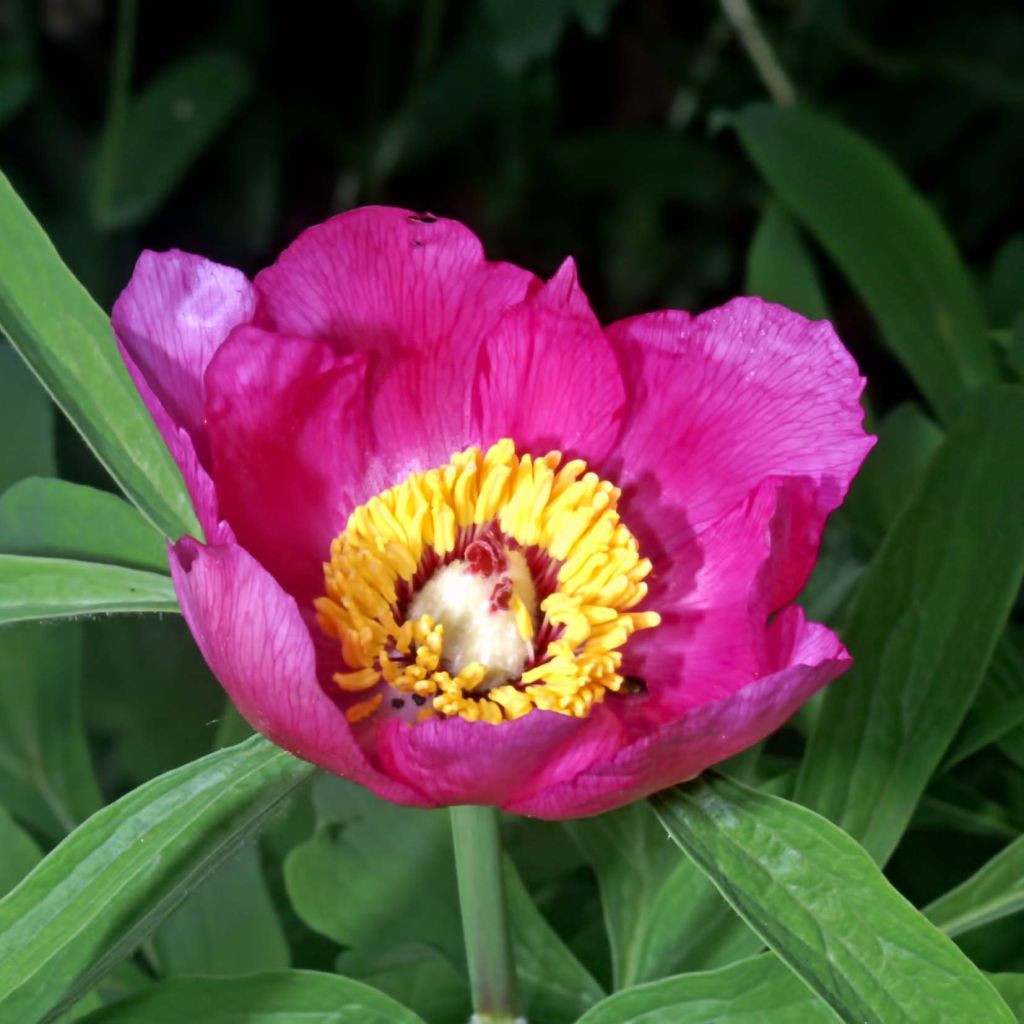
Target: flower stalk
(478, 863)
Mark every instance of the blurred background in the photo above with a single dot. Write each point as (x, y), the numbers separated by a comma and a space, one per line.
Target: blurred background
(596, 128)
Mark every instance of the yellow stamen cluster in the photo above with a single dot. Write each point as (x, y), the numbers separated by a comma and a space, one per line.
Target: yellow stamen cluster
(569, 513)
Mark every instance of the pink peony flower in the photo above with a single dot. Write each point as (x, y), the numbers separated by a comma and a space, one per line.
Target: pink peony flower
(463, 544)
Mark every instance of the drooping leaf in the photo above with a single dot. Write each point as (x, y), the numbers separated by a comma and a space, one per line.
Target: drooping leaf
(19, 853)
(64, 520)
(818, 900)
(66, 340)
(923, 627)
(994, 891)
(228, 926)
(46, 777)
(755, 991)
(111, 882)
(781, 269)
(885, 238)
(279, 997)
(167, 127)
(662, 914)
(56, 588)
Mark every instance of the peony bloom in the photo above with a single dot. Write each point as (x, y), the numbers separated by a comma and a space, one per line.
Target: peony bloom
(463, 544)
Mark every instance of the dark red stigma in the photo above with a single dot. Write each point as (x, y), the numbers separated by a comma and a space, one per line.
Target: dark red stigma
(486, 555)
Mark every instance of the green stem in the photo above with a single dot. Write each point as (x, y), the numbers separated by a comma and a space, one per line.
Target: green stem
(478, 862)
(760, 51)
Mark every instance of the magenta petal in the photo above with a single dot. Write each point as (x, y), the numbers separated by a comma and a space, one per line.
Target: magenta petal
(415, 291)
(286, 422)
(253, 638)
(704, 735)
(720, 402)
(550, 382)
(460, 762)
(179, 444)
(175, 312)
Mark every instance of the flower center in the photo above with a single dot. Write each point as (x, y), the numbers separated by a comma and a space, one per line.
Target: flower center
(484, 589)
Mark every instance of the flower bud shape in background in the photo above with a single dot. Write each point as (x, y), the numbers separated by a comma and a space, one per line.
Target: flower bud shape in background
(463, 544)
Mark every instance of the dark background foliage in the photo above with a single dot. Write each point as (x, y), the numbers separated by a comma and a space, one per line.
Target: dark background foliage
(595, 128)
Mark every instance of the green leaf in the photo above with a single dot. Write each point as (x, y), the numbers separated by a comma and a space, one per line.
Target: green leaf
(1011, 988)
(167, 128)
(63, 520)
(55, 588)
(111, 882)
(922, 629)
(822, 905)
(170, 720)
(66, 340)
(886, 239)
(228, 926)
(661, 914)
(999, 708)
(416, 975)
(555, 988)
(755, 991)
(20, 853)
(27, 421)
(1005, 288)
(46, 776)
(994, 891)
(280, 997)
(376, 874)
(781, 269)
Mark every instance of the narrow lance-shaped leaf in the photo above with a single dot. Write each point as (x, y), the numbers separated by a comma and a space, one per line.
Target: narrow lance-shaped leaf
(756, 991)
(55, 588)
(64, 520)
(886, 239)
(826, 910)
(66, 340)
(922, 629)
(278, 997)
(111, 882)
(992, 892)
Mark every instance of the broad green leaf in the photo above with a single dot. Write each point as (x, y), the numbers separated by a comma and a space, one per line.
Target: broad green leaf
(999, 708)
(26, 419)
(1011, 988)
(922, 629)
(63, 520)
(173, 718)
(55, 588)
(887, 240)
(554, 987)
(818, 900)
(228, 926)
(279, 997)
(376, 874)
(995, 890)
(781, 269)
(416, 975)
(19, 853)
(113, 880)
(167, 127)
(755, 991)
(661, 914)
(46, 777)
(66, 340)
